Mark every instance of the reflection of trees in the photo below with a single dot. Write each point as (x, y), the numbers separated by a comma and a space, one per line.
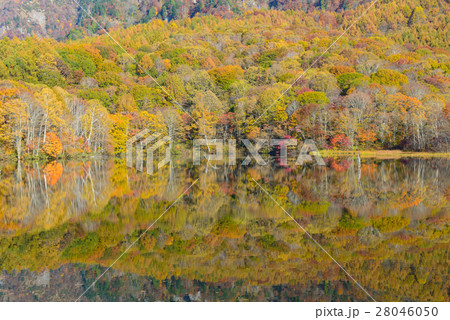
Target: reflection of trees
(388, 187)
(89, 187)
(227, 228)
(42, 195)
(409, 187)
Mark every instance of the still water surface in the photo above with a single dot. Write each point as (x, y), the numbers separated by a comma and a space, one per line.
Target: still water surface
(386, 222)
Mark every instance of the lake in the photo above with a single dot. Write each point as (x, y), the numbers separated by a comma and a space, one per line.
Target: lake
(384, 221)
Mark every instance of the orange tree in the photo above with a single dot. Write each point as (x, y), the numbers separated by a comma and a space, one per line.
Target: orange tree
(52, 146)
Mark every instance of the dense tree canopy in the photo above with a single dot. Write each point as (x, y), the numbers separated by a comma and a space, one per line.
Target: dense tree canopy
(372, 88)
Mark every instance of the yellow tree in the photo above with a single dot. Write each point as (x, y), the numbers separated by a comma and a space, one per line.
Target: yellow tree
(145, 64)
(52, 109)
(118, 133)
(126, 103)
(205, 121)
(13, 125)
(95, 124)
(153, 122)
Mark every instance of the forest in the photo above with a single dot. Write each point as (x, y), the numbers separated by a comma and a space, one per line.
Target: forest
(382, 85)
(74, 19)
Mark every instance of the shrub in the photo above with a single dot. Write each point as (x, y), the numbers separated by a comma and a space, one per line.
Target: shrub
(107, 78)
(349, 221)
(225, 76)
(338, 70)
(347, 80)
(82, 248)
(389, 78)
(311, 97)
(391, 224)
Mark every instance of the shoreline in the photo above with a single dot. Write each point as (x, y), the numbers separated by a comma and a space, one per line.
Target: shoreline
(385, 154)
(379, 154)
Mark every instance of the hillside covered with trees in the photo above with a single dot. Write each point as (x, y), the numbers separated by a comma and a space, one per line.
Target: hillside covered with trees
(73, 19)
(383, 85)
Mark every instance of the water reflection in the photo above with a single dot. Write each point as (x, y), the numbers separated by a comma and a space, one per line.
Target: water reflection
(385, 221)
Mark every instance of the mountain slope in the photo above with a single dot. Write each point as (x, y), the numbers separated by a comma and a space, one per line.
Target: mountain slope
(63, 18)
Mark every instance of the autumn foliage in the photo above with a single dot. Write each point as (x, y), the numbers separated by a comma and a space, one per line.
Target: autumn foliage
(52, 146)
(260, 76)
